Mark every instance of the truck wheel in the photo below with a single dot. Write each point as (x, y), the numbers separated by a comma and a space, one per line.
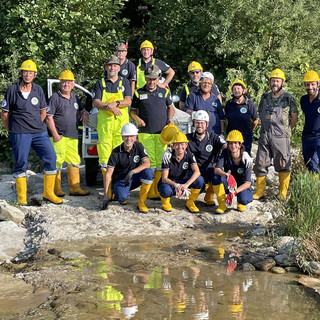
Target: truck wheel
(92, 168)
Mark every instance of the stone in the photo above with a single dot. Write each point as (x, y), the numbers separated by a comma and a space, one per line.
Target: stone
(10, 213)
(312, 267)
(265, 265)
(292, 269)
(247, 267)
(266, 250)
(285, 261)
(259, 232)
(286, 245)
(310, 282)
(278, 270)
(72, 255)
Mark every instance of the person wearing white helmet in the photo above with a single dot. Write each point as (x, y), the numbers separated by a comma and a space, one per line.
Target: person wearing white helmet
(195, 71)
(204, 99)
(128, 167)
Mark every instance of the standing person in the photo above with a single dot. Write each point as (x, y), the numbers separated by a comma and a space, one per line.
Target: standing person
(152, 109)
(64, 110)
(204, 99)
(129, 167)
(279, 114)
(142, 64)
(127, 68)
(310, 105)
(231, 172)
(112, 96)
(23, 112)
(179, 174)
(241, 113)
(195, 71)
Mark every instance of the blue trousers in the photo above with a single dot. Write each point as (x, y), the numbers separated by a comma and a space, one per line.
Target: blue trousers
(311, 153)
(243, 197)
(122, 193)
(247, 143)
(166, 190)
(41, 144)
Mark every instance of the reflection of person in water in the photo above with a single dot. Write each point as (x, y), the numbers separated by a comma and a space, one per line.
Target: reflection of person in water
(202, 311)
(129, 306)
(236, 305)
(180, 297)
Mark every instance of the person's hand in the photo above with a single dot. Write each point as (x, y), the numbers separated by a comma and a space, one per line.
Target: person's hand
(166, 156)
(112, 106)
(105, 203)
(230, 197)
(140, 122)
(246, 159)
(232, 183)
(178, 190)
(84, 117)
(56, 138)
(128, 177)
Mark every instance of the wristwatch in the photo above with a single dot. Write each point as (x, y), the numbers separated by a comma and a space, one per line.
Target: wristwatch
(118, 103)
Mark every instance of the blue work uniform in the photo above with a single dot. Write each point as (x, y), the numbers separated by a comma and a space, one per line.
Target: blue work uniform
(179, 172)
(26, 129)
(212, 105)
(123, 162)
(191, 87)
(240, 117)
(311, 132)
(128, 70)
(239, 172)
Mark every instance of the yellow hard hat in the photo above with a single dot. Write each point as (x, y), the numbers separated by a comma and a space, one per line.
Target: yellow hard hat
(311, 76)
(277, 73)
(168, 133)
(66, 75)
(194, 65)
(235, 136)
(29, 65)
(146, 44)
(240, 82)
(180, 137)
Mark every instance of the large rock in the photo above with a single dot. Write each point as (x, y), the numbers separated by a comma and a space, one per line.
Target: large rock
(10, 213)
(311, 267)
(265, 265)
(286, 245)
(12, 238)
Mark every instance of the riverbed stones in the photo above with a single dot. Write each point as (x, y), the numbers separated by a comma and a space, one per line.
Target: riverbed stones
(286, 245)
(10, 213)
(292, 269)
(278, 270)
(311, 267)
(259, 231)
(285, 261)
(265, 265)
(247, 267)
(72, 255)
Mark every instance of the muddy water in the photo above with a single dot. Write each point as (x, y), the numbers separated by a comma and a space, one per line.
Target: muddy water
(203, 285)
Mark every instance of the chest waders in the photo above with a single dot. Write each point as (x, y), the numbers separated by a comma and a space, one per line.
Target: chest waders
(109, 126)
(141, 81)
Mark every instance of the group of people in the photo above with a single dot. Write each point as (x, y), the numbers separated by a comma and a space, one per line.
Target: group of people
(138, 155)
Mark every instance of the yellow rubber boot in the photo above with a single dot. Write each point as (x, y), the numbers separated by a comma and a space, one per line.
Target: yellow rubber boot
(154, 193)
(21, 186)
(192, 198)
(241, 207)
(166, 205)
(143, 197)
(57, 185)
(284, 180)
(74, 182)
(261, 188)
(221, 197)
(48, 189)
(208, 198)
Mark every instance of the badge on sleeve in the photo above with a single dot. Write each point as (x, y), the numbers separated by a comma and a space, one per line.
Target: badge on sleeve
(76, 106)
(145, 152)
(4, 103)
(136, 159)
(34, 101)
(319, 110)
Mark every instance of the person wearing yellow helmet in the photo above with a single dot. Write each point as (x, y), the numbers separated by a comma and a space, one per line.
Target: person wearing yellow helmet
(195, 71)
(230, 167)
(278, 114)
(142, 64)
(23, 112)
(180, 173)
(310, 105)
(241, 113)
(64, 111)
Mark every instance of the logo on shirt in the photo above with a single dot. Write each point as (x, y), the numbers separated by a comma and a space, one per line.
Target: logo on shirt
(160, 95)
(136, 159)
(185, 165)
(124, 72)
(120, 88)
(214, 104)
(243, 110)
(209, 148)
(76, 106)
(34, 101)
(4, 103)
(240, 170)
(319, 110)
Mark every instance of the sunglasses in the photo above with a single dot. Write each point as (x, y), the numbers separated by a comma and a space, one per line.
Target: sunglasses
(195, 72)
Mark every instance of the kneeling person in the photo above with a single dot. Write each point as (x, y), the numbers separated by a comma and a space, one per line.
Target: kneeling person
(129, 167)
(179, 174)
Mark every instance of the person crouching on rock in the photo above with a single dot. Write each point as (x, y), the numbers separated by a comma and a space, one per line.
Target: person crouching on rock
(179, 174)
(129, 167)
(232, 175)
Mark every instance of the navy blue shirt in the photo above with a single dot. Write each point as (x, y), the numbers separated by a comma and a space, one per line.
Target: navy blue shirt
(193, 88)
(179, 170)
(212, 105)
(239, 171)
(311, 111)
(24, 114)
(65, 114)
(128, 70)
(240, 116)
(123, 161)
(152, 108)
(112, 87)
(206, 150)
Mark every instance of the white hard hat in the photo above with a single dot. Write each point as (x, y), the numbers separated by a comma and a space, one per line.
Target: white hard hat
(207, 75)
(201, 115)
(129, 129)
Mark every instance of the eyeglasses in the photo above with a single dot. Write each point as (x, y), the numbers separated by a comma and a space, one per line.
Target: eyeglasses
(195, 72)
